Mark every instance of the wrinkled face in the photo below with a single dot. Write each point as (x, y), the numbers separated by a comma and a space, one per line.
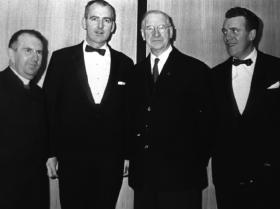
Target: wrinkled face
(157, 32)
(238, 40)
(26, 55)
(98, 24)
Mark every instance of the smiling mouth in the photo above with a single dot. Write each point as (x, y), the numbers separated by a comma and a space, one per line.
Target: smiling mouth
(156, 40)
(231, 44)
(99, 32)
(33, 66)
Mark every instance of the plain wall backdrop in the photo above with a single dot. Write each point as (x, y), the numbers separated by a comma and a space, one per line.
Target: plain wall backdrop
(198, 26)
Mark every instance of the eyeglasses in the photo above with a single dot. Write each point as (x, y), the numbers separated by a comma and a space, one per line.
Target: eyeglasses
(160, 28)
(28, 51)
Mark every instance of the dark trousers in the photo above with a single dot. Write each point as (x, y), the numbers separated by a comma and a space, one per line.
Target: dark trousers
(77, 195)
(149, 199)
(88, 186)
(247, 196)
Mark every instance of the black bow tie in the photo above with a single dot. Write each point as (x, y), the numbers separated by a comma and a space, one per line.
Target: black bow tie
(237, 62)
(91, 49)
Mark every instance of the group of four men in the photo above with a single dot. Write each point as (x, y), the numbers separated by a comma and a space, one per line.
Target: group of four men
(167, 115)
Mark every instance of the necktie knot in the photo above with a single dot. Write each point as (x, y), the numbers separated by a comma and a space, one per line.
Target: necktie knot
(155, 69)
(237, 62)
(91, 49)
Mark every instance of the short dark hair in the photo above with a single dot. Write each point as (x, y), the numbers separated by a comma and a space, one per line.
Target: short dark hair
(252, 20)
(100, 2)
(32, 32)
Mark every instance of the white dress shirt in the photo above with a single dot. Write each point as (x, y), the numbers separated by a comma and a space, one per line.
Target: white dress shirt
(98, 71)
(241, 81)
(162, 59)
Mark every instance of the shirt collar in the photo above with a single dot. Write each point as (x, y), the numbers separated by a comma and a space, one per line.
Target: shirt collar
(105, 46)
(252, 56)
(163, 57)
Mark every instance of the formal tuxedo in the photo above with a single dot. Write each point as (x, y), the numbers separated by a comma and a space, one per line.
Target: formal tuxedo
(245, 156)
(87, 138)
(23, 150)
(167, 137)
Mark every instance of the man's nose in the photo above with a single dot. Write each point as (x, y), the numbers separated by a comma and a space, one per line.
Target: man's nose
(100, 24)
(156, 32)
(228, 36)
(36, 55)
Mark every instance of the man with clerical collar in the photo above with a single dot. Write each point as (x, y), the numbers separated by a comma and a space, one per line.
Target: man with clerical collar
(23, 122)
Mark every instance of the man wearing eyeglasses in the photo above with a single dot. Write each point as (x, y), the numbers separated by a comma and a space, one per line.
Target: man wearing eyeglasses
(167, 143)
(85, 86)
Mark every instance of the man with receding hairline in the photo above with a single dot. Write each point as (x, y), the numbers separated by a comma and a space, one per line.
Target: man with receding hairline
(85, 87)
(23, 126)
(168, 110)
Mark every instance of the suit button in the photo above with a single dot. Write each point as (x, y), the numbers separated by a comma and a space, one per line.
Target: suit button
(149, 108)
(267, 164)
(138, 134)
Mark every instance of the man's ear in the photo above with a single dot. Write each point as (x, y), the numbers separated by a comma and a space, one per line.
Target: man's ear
(171, 31)
(252, 34)
(143, 34)
(11, 54)
(113, 27)
(84, 25)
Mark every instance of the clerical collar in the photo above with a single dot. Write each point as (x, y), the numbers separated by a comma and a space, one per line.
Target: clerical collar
(24, 80)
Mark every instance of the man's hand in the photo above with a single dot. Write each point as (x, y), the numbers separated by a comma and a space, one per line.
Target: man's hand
(52, 167)
(126, 168)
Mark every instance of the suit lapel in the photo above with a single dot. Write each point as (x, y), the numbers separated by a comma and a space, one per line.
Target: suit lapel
(168, 67)
(80, 71)
(78, 56)
(230, 98)
(148, 77)
(257, 85)
(115, 62)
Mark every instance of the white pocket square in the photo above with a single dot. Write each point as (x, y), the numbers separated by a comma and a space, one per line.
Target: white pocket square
(121, 83)
(274, 86)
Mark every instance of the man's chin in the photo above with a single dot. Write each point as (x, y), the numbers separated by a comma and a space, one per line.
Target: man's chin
(30, 76)
(231, 52)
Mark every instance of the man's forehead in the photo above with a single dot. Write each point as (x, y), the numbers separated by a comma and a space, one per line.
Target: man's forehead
(235, 21)
(100, 10)
(29, 40)
(156, 17)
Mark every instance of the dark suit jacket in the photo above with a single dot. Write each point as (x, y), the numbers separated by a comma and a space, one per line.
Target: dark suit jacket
(23, 149)
(245, 146)
(86, 135)
(166, 137)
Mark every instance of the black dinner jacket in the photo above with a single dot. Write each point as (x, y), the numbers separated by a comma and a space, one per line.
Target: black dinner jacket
(167, 140)
(79, 126)
(245, 145)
